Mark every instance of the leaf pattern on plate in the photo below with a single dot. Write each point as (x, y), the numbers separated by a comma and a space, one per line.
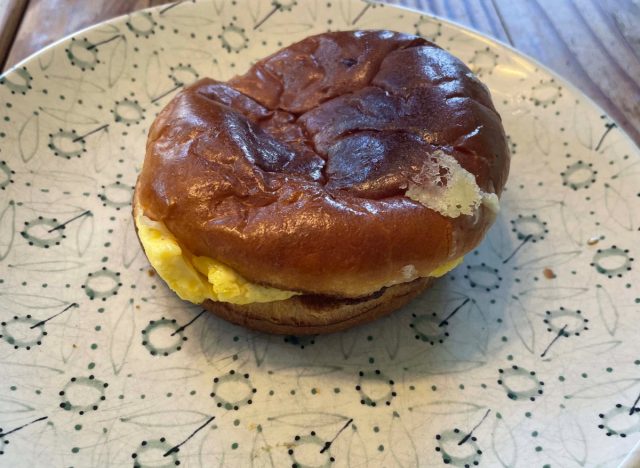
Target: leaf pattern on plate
(607, 310)
(166, 418)
(572, 224)
(7, 229)
(209, 338)
(40, 371)
(260, 346)
(188, 20)
(130, 244)
(310, 419)
(446, 366)
(401, 444)
(551, 293)
(29, 137)
(117, 60)
(68, 337)
(602, 389)
(582, 126)
(48, 266)
(503, 443)
(357, 451)
(391, 334)
(218, 5)
(261, 452)
(162, 299)
(152, 71)
(426, 377)
(312, 9)
(348, 342)
(522, 325)
(11, 406)
(618, 207)
(541, 136)
(602, 347)
(78, 179)
(574, 440)
(549, 260)
(46, 57)
(84, 234)
(122, 337)
(210, 454)
(446, 407)
(102, 158)
(100, 455)
(68, 118)
(32, 301)
(76, 84)
(308, 370)
(170, 373)
(282, 29)
(49, 208)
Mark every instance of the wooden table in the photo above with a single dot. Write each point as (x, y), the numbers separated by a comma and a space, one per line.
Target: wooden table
(595, 44)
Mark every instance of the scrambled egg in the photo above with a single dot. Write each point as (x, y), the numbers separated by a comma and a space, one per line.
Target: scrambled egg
(446, 267)
(196, 279)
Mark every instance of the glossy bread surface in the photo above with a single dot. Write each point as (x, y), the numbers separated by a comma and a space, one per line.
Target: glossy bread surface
(295, 173)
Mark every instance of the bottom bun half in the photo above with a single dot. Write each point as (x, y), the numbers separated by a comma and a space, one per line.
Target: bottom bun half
(312, 315)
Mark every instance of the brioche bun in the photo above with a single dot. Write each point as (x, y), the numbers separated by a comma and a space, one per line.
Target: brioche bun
(347, 167)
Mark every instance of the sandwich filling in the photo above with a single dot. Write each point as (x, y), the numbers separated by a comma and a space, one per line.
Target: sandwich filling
(198, 278)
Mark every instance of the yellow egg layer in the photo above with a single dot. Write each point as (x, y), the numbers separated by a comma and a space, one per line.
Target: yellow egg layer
(196, 279)
(446, 267)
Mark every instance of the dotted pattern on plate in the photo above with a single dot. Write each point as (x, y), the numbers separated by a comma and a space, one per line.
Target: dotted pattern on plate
(526, 355)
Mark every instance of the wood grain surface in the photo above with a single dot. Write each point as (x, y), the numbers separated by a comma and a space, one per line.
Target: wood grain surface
(11, 12)
(595, 44)
(46, 21)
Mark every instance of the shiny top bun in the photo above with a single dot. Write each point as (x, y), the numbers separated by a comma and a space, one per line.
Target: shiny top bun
(341, 164)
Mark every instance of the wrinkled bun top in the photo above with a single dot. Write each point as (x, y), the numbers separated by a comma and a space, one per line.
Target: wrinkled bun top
(296, 173)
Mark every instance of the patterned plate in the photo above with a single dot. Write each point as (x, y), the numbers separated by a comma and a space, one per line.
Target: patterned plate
(526, 355)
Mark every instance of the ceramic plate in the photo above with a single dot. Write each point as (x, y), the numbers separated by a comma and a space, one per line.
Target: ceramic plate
(526, 355)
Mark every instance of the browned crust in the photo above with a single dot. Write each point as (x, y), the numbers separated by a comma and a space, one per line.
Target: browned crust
(283, 229)
(312, 314)
(298, 316)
